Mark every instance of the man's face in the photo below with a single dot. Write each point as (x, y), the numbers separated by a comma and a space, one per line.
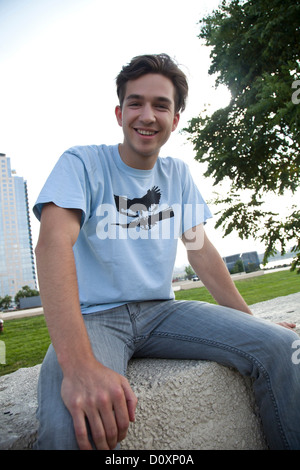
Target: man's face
(147, 117)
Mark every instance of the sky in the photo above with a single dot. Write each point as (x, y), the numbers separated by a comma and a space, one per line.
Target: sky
(58, 63)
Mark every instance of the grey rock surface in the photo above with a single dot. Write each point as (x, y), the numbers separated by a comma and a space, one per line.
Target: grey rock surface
(18, 404)
(192, 405)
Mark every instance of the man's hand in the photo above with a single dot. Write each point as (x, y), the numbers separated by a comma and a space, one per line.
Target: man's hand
(105, 399)
(290, 326)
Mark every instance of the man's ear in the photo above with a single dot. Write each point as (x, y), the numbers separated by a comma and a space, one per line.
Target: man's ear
(118, 113)
(175, 121)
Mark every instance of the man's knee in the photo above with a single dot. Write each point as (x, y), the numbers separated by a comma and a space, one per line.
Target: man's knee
(279, 345)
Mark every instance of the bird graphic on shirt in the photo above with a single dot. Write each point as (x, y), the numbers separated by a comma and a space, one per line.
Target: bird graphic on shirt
(142, 209)
(134, 207)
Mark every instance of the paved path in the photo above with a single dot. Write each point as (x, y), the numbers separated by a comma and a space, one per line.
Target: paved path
(30, 312)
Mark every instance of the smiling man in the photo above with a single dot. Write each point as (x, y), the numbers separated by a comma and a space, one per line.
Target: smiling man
(110, 219)
(147, 117)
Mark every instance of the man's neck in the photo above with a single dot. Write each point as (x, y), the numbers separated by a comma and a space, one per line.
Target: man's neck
(134, 160)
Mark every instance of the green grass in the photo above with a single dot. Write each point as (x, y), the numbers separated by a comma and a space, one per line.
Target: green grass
(26, 342)
(27, 339)
(253, 289)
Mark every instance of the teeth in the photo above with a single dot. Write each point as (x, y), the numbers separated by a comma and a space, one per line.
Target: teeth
(140, 131)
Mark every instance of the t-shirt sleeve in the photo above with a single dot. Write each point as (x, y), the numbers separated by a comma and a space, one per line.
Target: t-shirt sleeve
(195, 211)
(67, 186)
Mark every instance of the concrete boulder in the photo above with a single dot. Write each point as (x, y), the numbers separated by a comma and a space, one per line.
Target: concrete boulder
(192, 405)
(183, 405)
(18, 404)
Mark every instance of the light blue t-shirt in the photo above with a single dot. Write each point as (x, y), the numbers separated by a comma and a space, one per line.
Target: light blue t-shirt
(130, 225)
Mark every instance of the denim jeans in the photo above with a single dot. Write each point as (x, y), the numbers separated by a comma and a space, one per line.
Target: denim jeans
(186, 330)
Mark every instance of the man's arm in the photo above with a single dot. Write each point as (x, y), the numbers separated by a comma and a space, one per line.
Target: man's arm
(89, 390)
(211, 269)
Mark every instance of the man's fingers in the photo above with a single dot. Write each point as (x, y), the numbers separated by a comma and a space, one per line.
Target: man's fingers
(288, 325)
(121, 415)
(110, 424)
(117, 414)
(103, 416)
(104, 430)
(81, 433)
(110, 406)
(131, 400)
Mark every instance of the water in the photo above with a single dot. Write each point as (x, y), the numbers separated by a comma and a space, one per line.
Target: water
(277, 263)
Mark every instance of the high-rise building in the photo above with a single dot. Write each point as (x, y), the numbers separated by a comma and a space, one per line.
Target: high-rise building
(17, 268)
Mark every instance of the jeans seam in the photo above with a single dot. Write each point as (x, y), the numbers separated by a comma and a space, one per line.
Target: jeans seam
(241, 353)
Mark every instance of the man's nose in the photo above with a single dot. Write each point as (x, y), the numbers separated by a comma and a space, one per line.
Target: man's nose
(147, 114)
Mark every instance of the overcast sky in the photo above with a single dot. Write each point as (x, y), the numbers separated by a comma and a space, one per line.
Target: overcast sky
(58, 63)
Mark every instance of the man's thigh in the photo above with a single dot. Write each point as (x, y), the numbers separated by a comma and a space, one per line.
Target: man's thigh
(198, 330)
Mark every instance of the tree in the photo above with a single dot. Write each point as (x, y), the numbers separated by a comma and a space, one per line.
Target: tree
(189, 272)
(238, 267)
(254, 142)
(26, 291)
(5, 302)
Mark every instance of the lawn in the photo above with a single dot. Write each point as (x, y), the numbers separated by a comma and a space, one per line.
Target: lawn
(26, 339)
(253, 289)
(26, 342)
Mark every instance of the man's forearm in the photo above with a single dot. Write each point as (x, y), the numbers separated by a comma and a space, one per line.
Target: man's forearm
(59, 293)
(212, 271)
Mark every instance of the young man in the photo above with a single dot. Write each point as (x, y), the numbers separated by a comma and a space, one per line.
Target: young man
(110, 220)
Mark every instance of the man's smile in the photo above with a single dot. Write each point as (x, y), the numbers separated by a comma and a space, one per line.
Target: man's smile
(146, 132)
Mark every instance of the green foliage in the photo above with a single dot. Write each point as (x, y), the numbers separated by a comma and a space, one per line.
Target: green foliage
(189, 272)
(26, 291)
(5, 302)
(238, 267)
(254, 142)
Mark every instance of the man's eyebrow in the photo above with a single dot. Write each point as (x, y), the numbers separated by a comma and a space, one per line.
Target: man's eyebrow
(164, 99)
(133, 97)
(140, 97)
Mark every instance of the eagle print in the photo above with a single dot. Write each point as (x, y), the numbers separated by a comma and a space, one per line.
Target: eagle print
(143, 210)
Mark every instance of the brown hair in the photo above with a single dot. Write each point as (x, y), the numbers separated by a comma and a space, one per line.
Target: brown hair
(161, 64)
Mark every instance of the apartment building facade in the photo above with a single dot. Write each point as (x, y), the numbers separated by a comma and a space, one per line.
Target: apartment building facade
(17, 267)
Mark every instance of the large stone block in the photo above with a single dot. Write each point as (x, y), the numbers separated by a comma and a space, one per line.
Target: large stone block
(192, 405)
(18, 404)
(182, 405)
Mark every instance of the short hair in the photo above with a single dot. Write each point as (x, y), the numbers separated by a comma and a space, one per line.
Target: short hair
(154, 63)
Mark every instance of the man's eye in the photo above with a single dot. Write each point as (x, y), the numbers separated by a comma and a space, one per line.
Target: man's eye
(162, 106)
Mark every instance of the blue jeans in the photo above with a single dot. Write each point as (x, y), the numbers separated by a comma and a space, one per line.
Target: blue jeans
(186, 330)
